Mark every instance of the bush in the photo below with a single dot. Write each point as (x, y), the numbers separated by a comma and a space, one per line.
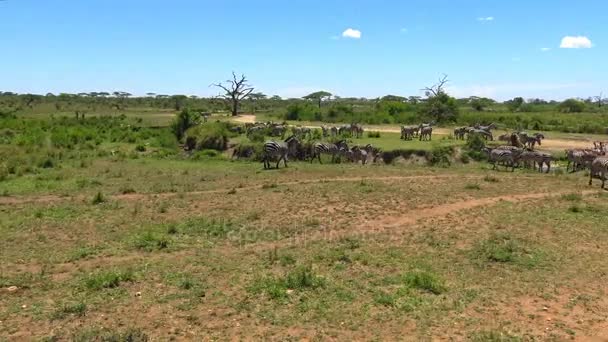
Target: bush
(425, 281)
(212, 136)
(98, 198)
(572, 106)
(140, 148)
(107, 280)
(440, 155)
(371, 134)
(184, 121)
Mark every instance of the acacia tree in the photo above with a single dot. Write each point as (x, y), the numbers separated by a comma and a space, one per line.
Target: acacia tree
(256, 98)
(439, 105)
(319, 96)
(236, 90)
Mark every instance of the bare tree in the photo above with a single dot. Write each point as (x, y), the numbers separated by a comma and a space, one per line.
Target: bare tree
(437, 88)
(236, 90)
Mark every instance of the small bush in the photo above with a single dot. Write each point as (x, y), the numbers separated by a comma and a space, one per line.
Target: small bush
(212, 136)
(472, 186)
(140, 148)
(440, 155)
(98, 198)
(76, 309)
(126, 190)
(425, 281)
(107, 279)
(574, 197)
(150, 241)
(576, 209)
(491, 179)
(371, 134)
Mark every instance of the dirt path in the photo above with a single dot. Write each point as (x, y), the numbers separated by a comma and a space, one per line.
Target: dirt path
(244, 118)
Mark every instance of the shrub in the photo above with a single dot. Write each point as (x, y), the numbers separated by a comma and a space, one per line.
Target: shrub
(440, 155)
(182, 122)
(76, 309)
(371, 134)
(107, 279)
(212, 136)
(140, 148)
(572, 106)
(98, 198)
(150, 241)
(425, 281)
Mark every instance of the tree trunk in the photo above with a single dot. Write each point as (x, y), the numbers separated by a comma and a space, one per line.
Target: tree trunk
(235, 107)
(319, 103)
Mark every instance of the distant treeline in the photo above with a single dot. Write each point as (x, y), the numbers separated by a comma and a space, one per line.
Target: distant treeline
(573, 115)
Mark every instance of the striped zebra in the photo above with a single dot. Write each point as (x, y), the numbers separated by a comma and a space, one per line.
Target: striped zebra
(278, 151)
(506, 157)
(460, 132)
(580, 158)
(325, 131)
(599, 169)
(333, 131)
(334, 150)
(531, 141)
(425, 133)
(408, 132)
(536, 158)
(487, 135)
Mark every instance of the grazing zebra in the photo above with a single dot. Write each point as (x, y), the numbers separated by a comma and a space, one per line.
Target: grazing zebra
(460, 132)
(425, 133)
(325, 131)
(278, 131)
(580, 158)
(356, 130)
(359, 154)
(536, 158)
(334, 150)
(539, 137)
(487, 128)
(530, 141)
(408, 132)
(333, 131)
(599, 169)
(506, 157)
(483, 133)
(279, 151)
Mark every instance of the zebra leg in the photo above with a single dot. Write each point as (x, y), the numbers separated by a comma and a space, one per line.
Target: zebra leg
(548, 166)
(591, 178)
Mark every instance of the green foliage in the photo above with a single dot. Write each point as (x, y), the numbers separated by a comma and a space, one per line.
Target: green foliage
(301, 112)
(302, 278)
(107, 279)
(104, 335)
(515, 104)
(572, 106)
(372, 134)
(76, 309)
(425, 281)
(98, 198)
(440, 155)
(441, 108)
(210, 136)
(503, 248)
(182, 122)
(150, 241)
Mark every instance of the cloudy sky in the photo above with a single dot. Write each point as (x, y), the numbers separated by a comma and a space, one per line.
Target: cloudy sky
(552, 49)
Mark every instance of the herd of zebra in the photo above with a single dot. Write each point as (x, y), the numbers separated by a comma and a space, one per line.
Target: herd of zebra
(274, 129)
(281, 150)
(518, 153)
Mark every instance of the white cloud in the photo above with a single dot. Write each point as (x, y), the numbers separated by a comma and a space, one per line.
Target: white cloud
(485, 19)
(545, 49)
(575, 42)
(351, 33)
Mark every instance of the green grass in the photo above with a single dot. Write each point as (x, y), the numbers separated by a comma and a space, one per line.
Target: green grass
(108, 279)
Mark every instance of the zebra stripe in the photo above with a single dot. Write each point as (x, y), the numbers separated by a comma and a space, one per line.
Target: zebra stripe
(320, 148)
(599, 169)
(278, 151)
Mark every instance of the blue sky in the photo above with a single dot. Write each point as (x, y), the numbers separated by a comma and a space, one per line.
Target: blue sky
(293, 47)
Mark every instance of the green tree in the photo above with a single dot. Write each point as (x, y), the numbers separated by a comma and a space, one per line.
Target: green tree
(439, 106)
(515, 104)
(572, 106)
(318, 96)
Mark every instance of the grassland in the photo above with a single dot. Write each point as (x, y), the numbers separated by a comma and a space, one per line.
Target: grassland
(156, 244)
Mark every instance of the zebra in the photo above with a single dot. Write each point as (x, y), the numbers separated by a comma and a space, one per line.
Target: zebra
(487, 128)
(459, 132)
(327, 148)
(580, 158)
(539, 137)
(537, 158)
(599, 169)
(358, 130)
(325, 131)
(359, 154)
(530, 141)
(425, 133)
(408, 132)
(333, 131)
(508, 158)
(345, 129)
(279, 150)
(483, 133)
